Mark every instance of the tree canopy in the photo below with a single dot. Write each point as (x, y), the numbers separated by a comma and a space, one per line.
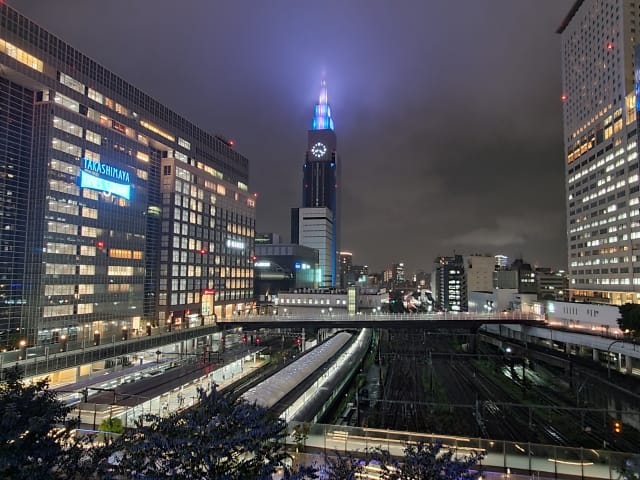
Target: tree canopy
(35, 436)
(216, 439)
(629, 318)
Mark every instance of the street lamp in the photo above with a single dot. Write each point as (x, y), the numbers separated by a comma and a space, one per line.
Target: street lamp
(63, 343)
(23, 350)
(609, 356)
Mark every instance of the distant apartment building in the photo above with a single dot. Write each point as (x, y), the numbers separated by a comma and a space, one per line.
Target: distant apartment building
(313, 228)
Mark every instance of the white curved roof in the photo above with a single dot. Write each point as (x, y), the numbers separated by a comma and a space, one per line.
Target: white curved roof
(274, 388)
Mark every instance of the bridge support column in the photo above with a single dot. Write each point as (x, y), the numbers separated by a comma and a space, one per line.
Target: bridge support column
(628, 364)
(567, 348)
(595, 355)
(304, 340)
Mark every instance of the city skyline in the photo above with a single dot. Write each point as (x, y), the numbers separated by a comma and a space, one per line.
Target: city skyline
(445, 113)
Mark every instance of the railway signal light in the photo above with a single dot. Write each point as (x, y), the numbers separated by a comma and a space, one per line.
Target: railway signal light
(244, 339)
(617, 426)
(257, 340)
(298, 341)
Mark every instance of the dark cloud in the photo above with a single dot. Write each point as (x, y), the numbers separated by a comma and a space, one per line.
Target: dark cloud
(447, 112)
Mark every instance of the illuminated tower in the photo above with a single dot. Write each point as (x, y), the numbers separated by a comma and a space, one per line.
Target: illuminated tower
(321, 178)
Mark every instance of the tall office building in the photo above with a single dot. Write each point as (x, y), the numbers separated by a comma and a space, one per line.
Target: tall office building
(313, 228)
(601, 149)
(448, 283)
(320, 190)
(116, 212)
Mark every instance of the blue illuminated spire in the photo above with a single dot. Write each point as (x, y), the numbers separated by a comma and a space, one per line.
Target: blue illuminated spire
(322, 113)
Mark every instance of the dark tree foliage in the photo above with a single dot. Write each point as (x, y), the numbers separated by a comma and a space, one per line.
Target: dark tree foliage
(216, 439)
(630, 318)
(429, 461)
(339, 467)
(35, 438)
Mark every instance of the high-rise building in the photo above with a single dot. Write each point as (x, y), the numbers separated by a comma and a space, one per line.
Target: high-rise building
(346, 269)
(601, 149)
(321, 178)
(116, 212)
(313, 228)
(448, 283)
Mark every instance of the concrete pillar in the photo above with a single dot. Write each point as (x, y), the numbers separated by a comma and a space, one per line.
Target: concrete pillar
(628, 364)
(567, 348)
(595, 355)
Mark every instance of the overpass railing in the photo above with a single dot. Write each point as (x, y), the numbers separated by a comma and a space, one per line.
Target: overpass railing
(533, 459)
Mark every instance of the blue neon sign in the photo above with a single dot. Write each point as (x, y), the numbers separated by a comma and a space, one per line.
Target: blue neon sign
(92, 177)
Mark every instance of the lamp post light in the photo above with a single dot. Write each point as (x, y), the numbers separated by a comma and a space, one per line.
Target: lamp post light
(63, 343)
(609, 357)
(23, 350)
(96, 337)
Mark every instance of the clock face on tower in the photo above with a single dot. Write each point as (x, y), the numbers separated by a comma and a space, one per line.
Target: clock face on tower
(318, 150)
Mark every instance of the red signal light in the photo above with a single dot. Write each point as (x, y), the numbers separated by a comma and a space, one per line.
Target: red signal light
(100, 244)
(609, 46)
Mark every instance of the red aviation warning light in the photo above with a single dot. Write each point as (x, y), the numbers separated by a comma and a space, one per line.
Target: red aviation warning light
(100, 244)
(564, 97)
(609, 45)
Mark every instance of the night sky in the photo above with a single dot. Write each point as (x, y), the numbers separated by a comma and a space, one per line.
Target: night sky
(447, 112)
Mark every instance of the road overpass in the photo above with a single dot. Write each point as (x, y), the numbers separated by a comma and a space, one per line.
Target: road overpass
(427, 321)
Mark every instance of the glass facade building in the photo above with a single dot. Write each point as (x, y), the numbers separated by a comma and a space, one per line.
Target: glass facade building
(117, 213)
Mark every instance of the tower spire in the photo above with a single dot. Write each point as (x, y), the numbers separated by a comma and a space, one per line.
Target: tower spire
(322, 113)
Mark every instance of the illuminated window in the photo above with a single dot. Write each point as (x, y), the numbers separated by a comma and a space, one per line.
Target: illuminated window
(87, 250)
(88, 232)
(57, 310)
(60, 206)
(88, 212)
(61, 248)
(157, 130)
(93, 137)
(67, 126)
(183, 143)
(90, 194)
(119, 271)
(95, 95)
(87, 269)
(86, 289)
(60, 166)
(60, 269)
(64, 187)
(72, 83)
(63, 228)
(142, 156)
(84, 308)
(66, 147)
(52, 290)
(91, 155)
(21, 56)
